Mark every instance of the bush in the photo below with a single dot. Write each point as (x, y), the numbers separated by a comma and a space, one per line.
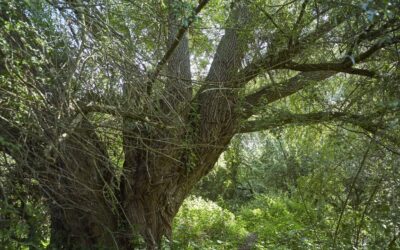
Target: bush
(202, 224)
(282, 223)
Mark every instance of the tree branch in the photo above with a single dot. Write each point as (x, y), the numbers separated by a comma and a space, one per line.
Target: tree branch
(279, 59)
(310, 73)
(230, 50)
(337, 67)
(179, 35)
(276, 60)
(112, 110)
(284, 119)
(9, 136)
(289, 87)
(178, 90)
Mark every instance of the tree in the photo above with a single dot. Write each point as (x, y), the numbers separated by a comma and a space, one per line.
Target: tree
(111, 112)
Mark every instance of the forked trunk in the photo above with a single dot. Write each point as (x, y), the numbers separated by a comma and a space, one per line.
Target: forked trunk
(94, 207)
(76, 229)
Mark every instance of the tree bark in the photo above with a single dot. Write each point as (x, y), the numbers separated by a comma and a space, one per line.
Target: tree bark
(78, 189)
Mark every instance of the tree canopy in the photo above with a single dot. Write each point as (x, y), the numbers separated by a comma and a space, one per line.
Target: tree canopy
(111, 111)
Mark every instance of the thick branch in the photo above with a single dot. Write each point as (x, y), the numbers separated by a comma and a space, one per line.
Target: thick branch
(311, 73)
(281, 58)
(363, 122)
(338, 67)
(216, 99)
(277, 60)
(179, 35)
(231, 49)
(178, 89)
(273, 93)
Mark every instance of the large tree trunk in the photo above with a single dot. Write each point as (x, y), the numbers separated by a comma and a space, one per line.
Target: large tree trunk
(94, 204)
(151, 187)
(86, 220)
(79, 189)
(91, 206)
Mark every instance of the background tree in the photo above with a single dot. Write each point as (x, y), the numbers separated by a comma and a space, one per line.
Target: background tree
(110, 112)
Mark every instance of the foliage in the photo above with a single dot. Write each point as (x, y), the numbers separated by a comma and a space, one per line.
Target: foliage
(312, 187)
(24, 219)
(283, 223)
(202, 224)
(111, 111)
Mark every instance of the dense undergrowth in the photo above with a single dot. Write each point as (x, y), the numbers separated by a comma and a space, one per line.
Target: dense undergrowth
(280, 222)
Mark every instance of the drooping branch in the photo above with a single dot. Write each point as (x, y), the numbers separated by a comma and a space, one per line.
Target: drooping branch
(9, 136)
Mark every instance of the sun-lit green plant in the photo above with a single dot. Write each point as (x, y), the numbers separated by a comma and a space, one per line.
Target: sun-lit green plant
(202, 224)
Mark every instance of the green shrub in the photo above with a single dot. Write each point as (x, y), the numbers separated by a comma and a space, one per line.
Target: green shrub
(282, 223)
(202, 224)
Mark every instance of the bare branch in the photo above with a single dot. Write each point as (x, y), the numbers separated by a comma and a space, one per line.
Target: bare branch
(112, 110)
(9, 136)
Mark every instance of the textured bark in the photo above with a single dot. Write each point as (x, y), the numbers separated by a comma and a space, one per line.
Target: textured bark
(77, 185)
(158, 172)
(179, 86)
(147, 193)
